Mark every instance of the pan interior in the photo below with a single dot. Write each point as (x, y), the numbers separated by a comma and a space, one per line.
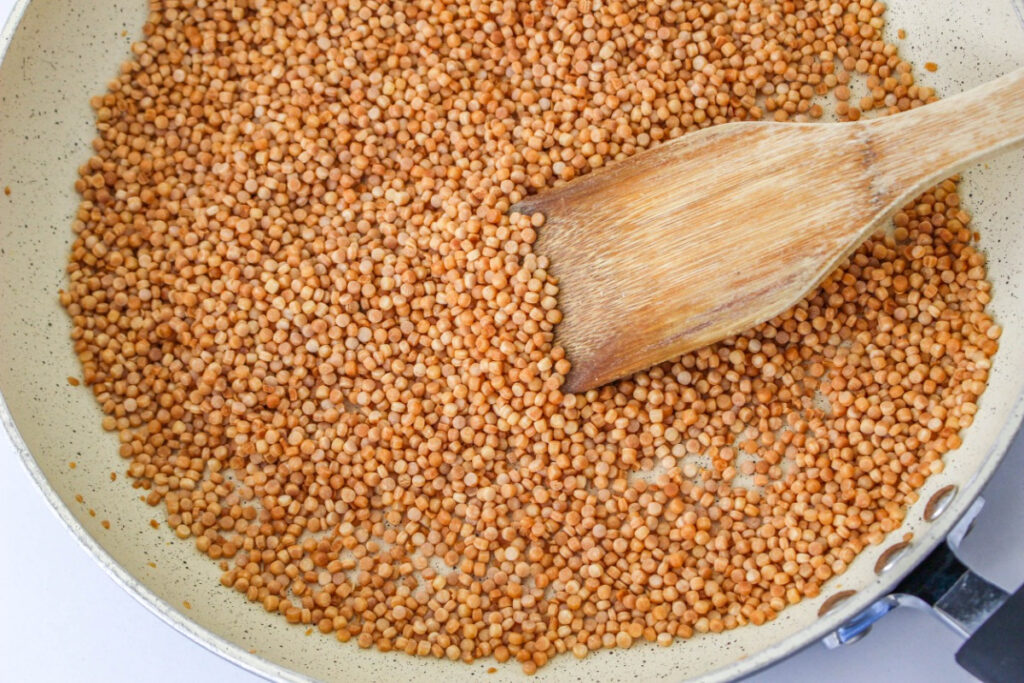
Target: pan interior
(64, 52)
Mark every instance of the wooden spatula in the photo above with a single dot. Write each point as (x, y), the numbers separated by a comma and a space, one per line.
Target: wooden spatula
(719, 230)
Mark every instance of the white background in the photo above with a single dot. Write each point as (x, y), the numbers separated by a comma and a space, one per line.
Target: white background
(63, 619)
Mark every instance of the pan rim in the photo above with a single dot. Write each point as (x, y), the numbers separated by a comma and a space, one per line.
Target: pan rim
(264, 668)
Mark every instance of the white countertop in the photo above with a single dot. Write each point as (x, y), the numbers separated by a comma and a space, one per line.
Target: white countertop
(64, 619)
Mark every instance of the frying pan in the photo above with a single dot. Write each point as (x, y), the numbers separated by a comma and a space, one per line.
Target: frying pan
(60, 52)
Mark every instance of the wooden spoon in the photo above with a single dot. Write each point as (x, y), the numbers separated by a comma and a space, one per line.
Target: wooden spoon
(719, 230)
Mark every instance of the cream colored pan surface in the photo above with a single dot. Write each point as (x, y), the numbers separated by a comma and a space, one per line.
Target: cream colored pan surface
(64, 51)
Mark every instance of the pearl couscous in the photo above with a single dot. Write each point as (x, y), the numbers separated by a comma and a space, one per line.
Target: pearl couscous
(325, 345)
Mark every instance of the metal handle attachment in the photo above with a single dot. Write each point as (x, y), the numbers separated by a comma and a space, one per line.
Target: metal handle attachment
(990, 618)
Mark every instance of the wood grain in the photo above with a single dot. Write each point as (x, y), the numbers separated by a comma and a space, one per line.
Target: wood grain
(717, 231)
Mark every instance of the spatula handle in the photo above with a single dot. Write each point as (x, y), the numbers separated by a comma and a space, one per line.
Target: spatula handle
(914, 150)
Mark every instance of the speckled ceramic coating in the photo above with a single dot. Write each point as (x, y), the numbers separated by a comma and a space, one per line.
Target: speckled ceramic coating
(63, 51)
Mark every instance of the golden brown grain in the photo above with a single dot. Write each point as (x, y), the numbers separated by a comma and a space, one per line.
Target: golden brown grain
(325, 345)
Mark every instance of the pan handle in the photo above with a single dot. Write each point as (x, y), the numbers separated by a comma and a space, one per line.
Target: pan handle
(995, 652)
(989, 618)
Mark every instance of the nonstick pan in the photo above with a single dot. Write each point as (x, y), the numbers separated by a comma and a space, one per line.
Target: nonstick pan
(61, 52)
